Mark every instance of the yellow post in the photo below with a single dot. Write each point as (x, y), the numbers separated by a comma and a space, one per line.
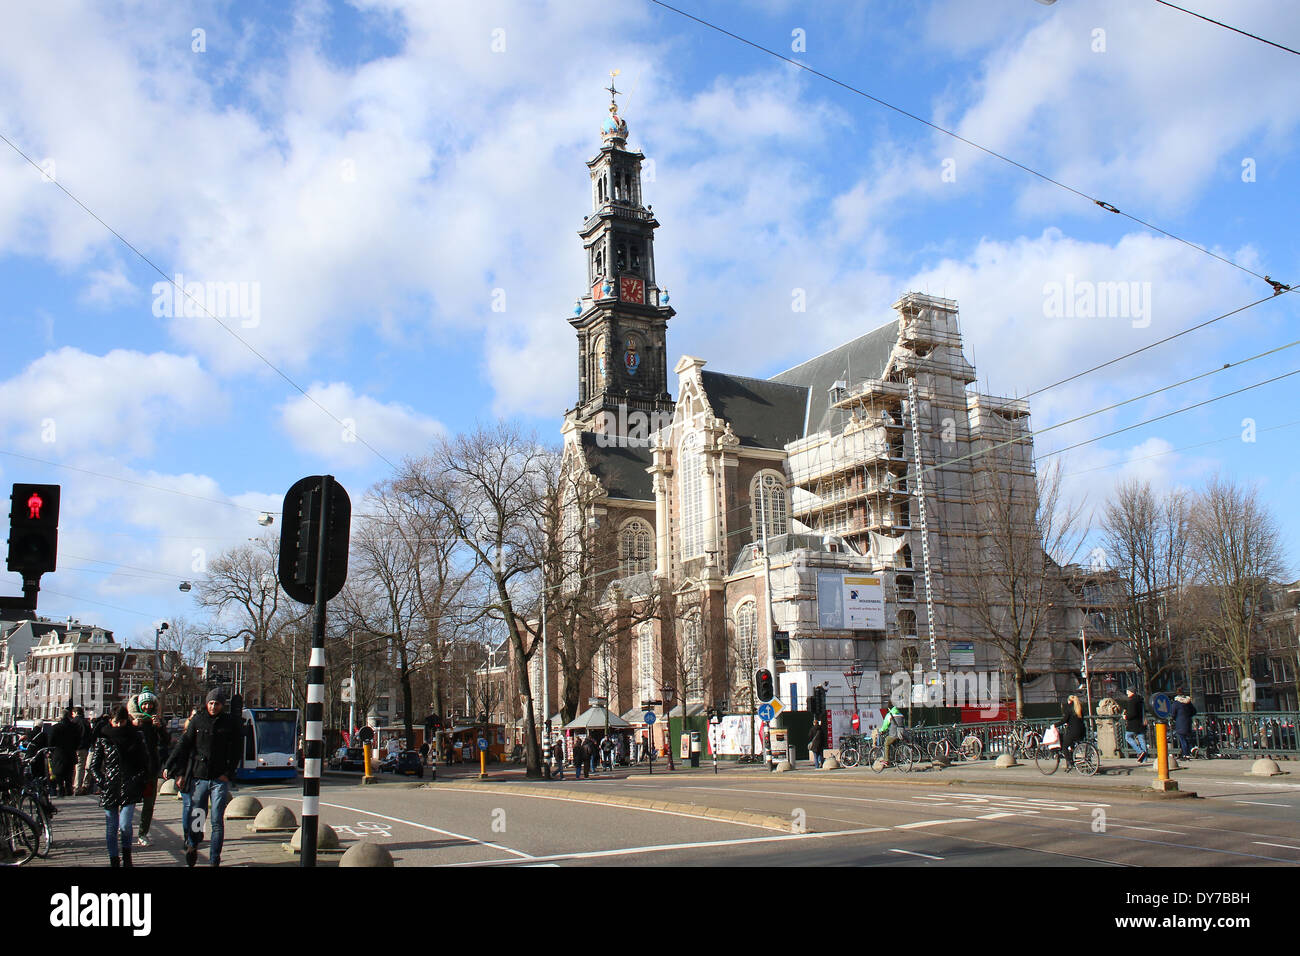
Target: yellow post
(365, 759)
(482, 762)
(1162, 751)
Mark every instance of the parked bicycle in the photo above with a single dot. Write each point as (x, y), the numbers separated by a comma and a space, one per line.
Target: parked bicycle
(946, 748)
(20, 834)
(851, 748)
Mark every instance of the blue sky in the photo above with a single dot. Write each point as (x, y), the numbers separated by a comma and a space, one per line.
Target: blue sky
(374, 172)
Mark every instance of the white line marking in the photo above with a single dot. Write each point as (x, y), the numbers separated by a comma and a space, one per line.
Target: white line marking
(590, 854)
(913, 853)
(994, 816)
(1284, 846)
(619, 806)
(420, 826)
(1129, 826)
(1258, 803)
(932, 823)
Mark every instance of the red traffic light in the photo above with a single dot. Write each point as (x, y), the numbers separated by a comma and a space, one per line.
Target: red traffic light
(34, 506)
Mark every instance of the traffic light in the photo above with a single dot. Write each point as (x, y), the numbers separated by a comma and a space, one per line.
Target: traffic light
(33, 529)
(300, 538)
(818, 703)
(763, 686)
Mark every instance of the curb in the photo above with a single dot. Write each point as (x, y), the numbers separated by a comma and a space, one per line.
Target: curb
(767, 821)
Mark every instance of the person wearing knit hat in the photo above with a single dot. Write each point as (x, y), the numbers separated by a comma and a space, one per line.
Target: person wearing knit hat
(144, 714)
(204, 764)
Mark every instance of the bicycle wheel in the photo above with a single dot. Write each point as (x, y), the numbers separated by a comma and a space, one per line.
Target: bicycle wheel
(30, 805)
(877, 757)
(1047, 759)
(971, 748)
(903, 754)
(935, 749)
(1087, 759)
(19, 837)
(849, 757)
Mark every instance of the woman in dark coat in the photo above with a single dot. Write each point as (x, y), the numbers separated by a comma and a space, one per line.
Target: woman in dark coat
(1184, 711)
(119, 764)
(816, 741)
(1073, 729)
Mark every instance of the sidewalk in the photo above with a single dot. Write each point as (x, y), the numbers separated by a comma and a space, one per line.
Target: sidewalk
(78, 838)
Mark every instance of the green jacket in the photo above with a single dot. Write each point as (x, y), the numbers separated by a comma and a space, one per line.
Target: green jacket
(889, 719)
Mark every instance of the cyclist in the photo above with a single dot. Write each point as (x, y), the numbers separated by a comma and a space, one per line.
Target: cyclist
(1072, 728)
(892, 728)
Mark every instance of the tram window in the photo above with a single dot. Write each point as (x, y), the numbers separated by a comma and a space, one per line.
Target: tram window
(250, 751)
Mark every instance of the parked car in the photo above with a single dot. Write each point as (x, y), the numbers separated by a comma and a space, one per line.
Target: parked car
(406, 763)
(353, 760)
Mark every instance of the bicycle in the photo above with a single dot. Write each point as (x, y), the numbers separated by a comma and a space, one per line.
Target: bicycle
(851, 747)
(902, 755)
(1023, 741)
(947, 749)
(27, 793)
(19, 836)
(1086, 758)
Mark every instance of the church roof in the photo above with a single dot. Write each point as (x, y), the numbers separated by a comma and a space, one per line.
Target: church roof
(621, 469)
(762, 413)
(853, 362)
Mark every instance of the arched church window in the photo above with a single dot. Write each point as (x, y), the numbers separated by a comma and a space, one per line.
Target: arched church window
(767, 497)
(746, 660)
(620, 257)
(636, 257)
(634, 548)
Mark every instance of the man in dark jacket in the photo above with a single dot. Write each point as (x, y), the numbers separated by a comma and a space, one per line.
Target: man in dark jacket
(204, 763)
(1134, 726)
(816, 741)
(64, 739)
(1184, 711)
(81, 785)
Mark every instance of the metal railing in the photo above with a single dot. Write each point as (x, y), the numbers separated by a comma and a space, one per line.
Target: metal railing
(1229, 734)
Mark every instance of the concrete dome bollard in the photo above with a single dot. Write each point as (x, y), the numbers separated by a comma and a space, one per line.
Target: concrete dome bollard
(830, 763)
(243, 807)
(1006, 760)
(326, 838)
(366, 853)
(274, 818)
(784, 767)
(167, 788)
(1264, 767)
(878, 765)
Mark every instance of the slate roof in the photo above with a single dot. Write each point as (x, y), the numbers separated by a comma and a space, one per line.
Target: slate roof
(621, 469)
(854, 362)
(762, 413)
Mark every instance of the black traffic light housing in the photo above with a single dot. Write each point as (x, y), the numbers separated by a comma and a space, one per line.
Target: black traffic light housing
(300, 537)
(763, 686)
(33, 529)
(818, 702)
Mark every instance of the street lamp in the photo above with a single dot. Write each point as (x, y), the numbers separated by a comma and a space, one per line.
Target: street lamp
(157, 640)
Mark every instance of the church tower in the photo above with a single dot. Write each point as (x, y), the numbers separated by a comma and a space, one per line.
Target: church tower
(622, 317)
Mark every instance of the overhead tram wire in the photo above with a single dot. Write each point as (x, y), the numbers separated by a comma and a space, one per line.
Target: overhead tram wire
(1173, 451)
(1226, 26)
(1277, 286)
(152, 265)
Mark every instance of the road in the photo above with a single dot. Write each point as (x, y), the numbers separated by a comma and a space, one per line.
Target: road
(852, 819)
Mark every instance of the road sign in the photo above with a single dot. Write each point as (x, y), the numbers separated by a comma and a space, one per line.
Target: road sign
(766, 712)
(649, 718)
(1161, 706)
(482, 743)
(345, 690)
(777, 706)
(856, 723)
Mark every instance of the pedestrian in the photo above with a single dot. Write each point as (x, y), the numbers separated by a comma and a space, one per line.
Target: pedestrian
(1184, 711)
(424, 752)
(816, 741)
(607, 751)
(119, 764)
(1073, 729)
(593, 754)
(65, 738)
(144, 714)
(1135, 728)
(557, 757)
(579, 758)
(80, 785)
(204, 763)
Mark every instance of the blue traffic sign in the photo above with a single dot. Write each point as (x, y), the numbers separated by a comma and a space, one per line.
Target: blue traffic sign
(482, 743)
(1161, 706)
(766, 712)
(649, 717)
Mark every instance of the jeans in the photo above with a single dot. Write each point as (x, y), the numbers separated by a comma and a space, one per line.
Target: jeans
(1137, 740)
(117, 828)
(146, 812)
(194, 811)
(1184, 745)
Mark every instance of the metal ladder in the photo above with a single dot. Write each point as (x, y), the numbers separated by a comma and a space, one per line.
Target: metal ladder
(925, 533)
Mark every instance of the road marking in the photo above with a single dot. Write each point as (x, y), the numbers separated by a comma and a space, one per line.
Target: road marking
(1284, 846)
(994, 816)
(913, 853)
(1257, 803)
(931, 823)
(420, 826)
(620, 806)
(1129, 826)
(661, 848)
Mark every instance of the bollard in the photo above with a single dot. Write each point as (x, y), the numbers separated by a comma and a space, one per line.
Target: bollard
(482, 764)
(1162, 781)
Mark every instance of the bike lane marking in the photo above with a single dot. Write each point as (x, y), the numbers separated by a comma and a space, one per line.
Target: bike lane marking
(419, 826)
(914, 853)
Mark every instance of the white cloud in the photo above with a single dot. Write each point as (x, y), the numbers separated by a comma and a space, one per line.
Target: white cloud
(69, 403)
(395, 430)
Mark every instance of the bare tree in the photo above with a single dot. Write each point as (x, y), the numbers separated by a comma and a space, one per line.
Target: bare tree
(1236, 550)
(243, 592)
(1027, 532)
(1145, 537)
(487, 486)
(182, 647)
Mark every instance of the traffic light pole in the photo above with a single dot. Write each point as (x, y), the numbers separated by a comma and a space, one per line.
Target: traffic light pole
(314, 744)
(31, 585)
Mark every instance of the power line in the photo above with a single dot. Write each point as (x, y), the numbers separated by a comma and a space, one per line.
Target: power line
(237, 337)
(1219, 23)
(1171, 451)
(984, 149)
